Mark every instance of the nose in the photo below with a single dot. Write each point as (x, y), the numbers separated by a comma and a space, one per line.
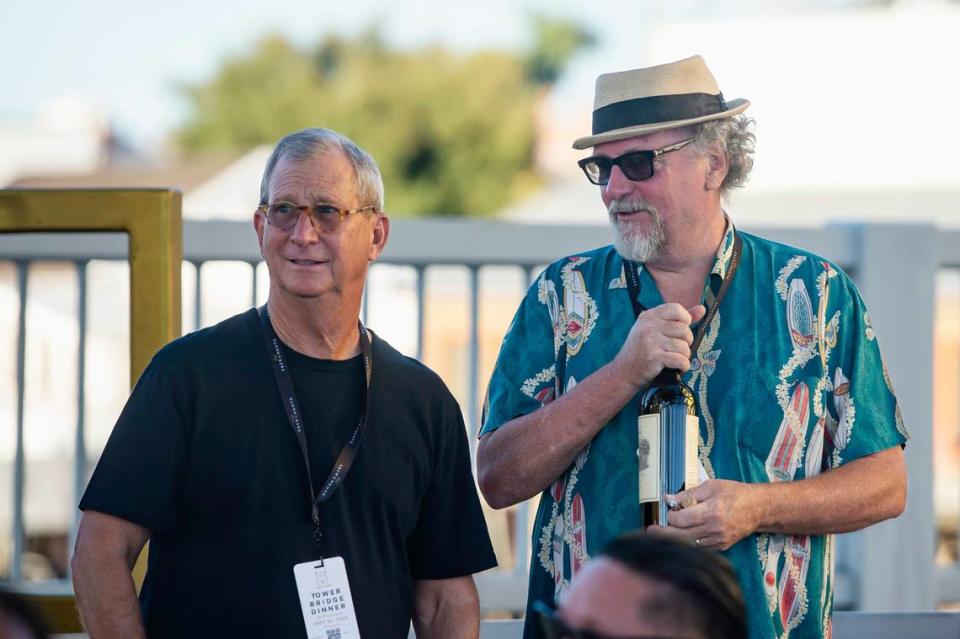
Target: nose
(303, 232)
(618, 185)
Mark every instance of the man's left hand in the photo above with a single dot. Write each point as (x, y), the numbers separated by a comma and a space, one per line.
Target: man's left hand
(716, 514)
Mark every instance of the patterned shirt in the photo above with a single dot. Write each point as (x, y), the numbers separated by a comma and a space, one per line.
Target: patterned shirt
(789, 382)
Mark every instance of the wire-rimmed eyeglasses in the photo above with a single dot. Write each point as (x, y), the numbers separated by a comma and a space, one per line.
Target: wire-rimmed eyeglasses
(325, 217)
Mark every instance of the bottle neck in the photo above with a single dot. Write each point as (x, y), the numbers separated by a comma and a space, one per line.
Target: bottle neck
(667, 377)
(667, 388)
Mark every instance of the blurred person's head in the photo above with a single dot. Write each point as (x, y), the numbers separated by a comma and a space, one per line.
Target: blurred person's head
(644, 587)
(18, 620)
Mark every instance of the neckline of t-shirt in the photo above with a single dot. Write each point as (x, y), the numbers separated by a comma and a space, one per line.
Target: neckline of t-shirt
(297, 358)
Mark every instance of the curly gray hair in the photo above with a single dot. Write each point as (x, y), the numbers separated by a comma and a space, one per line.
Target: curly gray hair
(734, 136)
(308, 143)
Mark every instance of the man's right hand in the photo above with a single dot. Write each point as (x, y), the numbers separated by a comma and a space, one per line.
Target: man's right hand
(107, 548)
(660, 338)
(558, 431)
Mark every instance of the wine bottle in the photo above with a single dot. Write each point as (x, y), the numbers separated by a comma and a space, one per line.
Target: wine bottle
(668, 433)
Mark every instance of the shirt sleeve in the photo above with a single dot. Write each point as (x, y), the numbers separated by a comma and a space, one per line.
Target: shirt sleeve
(450, 538)
(864, 417)
(138, 475)
(523, 378)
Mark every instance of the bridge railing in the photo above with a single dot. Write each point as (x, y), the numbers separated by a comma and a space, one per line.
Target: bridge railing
(887, 567)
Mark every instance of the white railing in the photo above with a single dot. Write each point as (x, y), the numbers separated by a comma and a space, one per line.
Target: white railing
(887, 567)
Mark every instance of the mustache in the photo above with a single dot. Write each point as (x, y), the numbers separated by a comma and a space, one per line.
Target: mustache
(631, 205)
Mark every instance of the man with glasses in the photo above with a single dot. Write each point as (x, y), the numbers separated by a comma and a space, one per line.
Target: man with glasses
(646, 587)
(295, 475)
(799, 431)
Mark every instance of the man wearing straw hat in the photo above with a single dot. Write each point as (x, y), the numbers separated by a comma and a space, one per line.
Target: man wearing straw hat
(799, 431)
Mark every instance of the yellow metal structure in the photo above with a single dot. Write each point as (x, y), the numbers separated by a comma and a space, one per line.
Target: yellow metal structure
(151, 218)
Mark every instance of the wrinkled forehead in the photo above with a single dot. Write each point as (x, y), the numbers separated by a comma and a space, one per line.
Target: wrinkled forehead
(325, 174)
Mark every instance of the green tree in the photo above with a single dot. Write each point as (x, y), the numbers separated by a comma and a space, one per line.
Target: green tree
(453, 134)
(555, 41)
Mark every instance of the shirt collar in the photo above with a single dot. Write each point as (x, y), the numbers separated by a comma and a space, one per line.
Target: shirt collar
(725, 252)
(649, 292)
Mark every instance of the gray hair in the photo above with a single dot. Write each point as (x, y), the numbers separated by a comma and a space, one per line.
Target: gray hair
(734, 136)
(309, 143)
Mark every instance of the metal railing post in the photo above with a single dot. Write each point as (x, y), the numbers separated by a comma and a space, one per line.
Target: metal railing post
(253, 287)
(16, 561)
(473, 374)
(421, 272)
(198, 298)
(79, 442)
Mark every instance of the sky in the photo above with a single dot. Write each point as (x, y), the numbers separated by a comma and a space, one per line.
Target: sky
(843, 90)
(127, 59)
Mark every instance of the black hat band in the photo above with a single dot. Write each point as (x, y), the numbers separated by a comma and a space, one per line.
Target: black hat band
(656, 109)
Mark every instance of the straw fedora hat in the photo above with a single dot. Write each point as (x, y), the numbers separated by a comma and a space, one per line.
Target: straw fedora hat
(667, 96)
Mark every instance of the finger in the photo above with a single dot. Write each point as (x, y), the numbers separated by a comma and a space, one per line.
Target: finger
(687, 518)
(708, 542)
(683, 499)
(676, 329)
(695, 532)
(671, 311)
(676, 346)
(667, 532)
(701, 492)
(697, 313)
(676, 361)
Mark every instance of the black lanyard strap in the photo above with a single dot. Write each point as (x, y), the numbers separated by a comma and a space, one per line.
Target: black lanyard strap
(631, 272)
(281, 372)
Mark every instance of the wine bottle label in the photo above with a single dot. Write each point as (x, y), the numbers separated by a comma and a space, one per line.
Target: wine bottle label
(648, 454)
(691, 450)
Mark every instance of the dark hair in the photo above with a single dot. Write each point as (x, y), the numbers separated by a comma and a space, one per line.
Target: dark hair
(711, 598)
(17, 609)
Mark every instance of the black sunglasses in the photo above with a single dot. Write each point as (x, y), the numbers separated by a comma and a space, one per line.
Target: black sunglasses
(636, 165)
(554, 628)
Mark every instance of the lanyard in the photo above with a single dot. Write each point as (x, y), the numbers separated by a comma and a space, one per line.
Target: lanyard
(633, 286)
(285, 384)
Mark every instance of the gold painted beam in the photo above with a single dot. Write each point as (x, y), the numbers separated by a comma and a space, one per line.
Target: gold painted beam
(152, 221)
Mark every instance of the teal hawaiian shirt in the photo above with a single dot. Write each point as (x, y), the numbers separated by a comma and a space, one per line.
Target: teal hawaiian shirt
(789, 383)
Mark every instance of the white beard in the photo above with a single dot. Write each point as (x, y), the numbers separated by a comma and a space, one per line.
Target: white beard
(631, 241)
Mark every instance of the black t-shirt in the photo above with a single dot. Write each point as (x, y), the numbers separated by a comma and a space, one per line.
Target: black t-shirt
(204, 457)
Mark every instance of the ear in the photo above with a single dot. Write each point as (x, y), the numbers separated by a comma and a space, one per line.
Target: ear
(717, 167)
(381, 231)
(258, 223)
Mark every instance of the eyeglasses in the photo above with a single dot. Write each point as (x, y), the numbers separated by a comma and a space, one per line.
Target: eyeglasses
(326, 218)
(636, 165)
(554, 628)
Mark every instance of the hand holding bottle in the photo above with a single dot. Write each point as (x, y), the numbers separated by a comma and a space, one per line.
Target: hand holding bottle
(660, 338)
(716, 514)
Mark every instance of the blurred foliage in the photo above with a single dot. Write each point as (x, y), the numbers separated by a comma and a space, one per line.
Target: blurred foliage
(555, 42)
(453, 134)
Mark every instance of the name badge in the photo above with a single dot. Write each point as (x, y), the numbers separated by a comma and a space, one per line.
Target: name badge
(325, 599)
